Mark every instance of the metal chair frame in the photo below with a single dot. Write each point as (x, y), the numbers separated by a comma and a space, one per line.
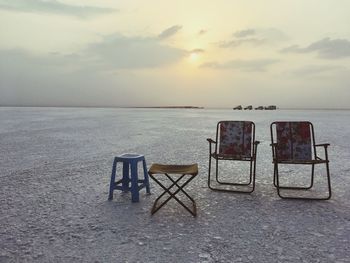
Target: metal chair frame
(252, 170)
(316, 160)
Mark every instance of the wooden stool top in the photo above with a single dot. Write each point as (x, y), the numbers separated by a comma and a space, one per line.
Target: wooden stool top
(156, 168)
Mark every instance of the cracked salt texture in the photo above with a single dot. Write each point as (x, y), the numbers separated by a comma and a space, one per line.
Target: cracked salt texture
(55, 166)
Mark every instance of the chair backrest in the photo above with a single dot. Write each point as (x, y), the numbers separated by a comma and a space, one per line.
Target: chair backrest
(235, 138)
(295, 140)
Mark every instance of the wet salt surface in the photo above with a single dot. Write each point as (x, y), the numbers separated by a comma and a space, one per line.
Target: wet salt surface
(55, 166)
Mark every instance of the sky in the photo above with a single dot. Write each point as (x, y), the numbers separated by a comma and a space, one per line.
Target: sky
(223, 53)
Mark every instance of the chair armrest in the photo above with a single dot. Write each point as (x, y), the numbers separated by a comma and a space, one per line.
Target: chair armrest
(325, 145)
(211, 140)
(322, 144)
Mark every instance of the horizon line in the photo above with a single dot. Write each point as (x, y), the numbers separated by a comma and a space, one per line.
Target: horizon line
(158, 107)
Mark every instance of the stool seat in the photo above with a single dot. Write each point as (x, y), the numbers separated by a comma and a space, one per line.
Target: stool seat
(189, 171)
(130, 157)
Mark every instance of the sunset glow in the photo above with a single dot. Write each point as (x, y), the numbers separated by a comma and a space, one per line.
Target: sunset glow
(194, 57)
(89, 52)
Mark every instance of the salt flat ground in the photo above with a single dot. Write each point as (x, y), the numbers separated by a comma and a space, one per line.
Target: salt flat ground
(55, 166)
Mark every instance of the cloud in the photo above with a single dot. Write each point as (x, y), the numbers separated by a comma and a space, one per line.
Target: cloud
(197, 50)
(113, 52)
(169, 32)
(293, 49)
(238, 42)
(57, 79)
(319, 70)
(244, 33)
(118, 51)
(245, 65)
(272, 34)
(254, 36)
(53, 6)
(202, 32)
(29, 79)
(326, 48)
(18, 58)
(84, 78)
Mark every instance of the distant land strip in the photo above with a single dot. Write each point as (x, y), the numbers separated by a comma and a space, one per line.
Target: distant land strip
(101, 106)
(167, 107)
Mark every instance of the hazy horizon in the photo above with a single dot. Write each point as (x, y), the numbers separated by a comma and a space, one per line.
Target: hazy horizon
(74, 53)
(185, 107)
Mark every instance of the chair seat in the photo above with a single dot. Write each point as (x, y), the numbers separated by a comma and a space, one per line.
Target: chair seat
(231, 157)
(191, 169)
(130, 157)
(300, 161)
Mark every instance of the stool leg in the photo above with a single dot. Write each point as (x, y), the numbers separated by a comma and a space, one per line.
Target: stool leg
(112, 183)
(126, 177)
(134, 183)
(148, 191)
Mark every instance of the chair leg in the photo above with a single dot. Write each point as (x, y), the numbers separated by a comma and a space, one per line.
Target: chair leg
(252, 179)
(274, 175)
(209, 171)
(180, 188)
(126, 177)
(217, 170)
(148, 191)
(155, 208)
(297, 187)
(300, 188)
(112, 183)
(251, 171)
(253, 175)
(235, 184)
(134, 183)
(328, 181)
(277, 179)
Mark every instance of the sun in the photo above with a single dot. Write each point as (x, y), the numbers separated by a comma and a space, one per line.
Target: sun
(194, 56)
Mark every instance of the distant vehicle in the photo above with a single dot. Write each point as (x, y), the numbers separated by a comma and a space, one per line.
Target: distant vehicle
(250, 107)
(271, 107)
(259, 108)
(239, 107)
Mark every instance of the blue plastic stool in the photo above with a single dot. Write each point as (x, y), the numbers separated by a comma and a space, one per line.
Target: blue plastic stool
(130, 162)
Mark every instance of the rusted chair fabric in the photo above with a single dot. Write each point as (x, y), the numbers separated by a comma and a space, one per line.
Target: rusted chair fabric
(294, 143)
(235, 141)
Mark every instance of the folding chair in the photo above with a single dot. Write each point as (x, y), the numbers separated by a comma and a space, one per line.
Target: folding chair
(294, 143)
(186, 174)
(235, 141)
